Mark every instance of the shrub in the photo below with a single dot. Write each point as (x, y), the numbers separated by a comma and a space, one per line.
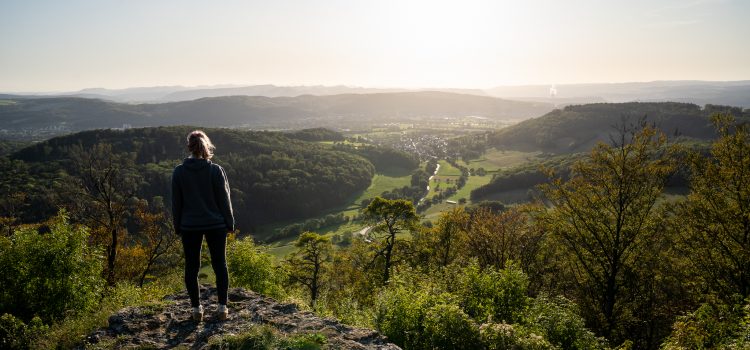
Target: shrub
(558, 320)
(253, 268)
(15, 334)
(500, 336)
(49, 275)
(446, 326)
(489, 294)
(399, 315)
(713, 325)
(417, 316)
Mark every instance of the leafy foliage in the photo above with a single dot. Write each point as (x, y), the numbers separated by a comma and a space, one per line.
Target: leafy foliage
(605, 216)
(491, 294)
(498, 336)
(463, 307)
(251, 267)
(557, 318)
(714, 325)
(715, 218)
(49, 274)
(16, 334)
(402, 317)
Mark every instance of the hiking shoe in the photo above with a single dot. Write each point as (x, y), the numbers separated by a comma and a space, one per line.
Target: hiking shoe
(222, 313)
(198, 313)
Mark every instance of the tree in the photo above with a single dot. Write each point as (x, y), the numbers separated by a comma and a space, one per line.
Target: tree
(605, 215)
(716, 215)
(99, 192)
(495, 238)
(310, 262)
(389, 218)
(450, 235)
(156, 234)
(11, 205)
(24, 195)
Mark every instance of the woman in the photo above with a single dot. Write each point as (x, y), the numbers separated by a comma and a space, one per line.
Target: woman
(201, 207)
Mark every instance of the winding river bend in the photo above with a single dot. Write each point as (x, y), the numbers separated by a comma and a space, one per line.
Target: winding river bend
(437, 168)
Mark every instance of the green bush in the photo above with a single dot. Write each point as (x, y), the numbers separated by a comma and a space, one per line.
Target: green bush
(557, 319)
(16, 334)
(416, 315)
(446, 326)
(49, 274)
(714, 325)
(441, 310)
(500, 336)
(489, 294)
(253, 268)
(400, 313)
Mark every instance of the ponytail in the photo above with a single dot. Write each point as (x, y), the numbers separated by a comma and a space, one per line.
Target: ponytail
(200, 145)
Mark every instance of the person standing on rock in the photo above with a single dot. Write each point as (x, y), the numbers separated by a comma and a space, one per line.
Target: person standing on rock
(201, 206)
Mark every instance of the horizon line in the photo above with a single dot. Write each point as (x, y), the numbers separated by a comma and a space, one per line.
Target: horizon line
(241, 85)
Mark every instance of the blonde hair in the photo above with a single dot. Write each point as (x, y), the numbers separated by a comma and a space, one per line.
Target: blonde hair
(200, 145)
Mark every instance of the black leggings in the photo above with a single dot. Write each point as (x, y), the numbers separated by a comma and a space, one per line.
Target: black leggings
(217, 244)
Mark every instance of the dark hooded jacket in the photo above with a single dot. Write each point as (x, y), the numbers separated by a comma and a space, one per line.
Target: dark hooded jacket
(200, 197)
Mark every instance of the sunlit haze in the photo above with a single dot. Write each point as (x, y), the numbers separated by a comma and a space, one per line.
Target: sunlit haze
(69, 45)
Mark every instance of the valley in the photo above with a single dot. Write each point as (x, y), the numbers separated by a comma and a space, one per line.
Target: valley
(460, 174)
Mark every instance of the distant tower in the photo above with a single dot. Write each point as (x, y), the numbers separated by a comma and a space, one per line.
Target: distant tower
(552, 91)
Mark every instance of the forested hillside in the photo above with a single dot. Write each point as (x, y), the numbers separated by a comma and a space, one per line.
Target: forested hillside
(566, 134)
(273, 177)
(578, 128)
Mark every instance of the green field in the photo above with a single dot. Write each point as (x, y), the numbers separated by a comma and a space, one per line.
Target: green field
(472, 183)
(384, 182)
(7, 102)
(446, 169)
(494, 159)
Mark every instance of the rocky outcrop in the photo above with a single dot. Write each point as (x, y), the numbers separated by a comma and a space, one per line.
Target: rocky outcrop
(168, 324)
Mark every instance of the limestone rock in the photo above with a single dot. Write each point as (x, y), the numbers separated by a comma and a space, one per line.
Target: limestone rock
(168, 324)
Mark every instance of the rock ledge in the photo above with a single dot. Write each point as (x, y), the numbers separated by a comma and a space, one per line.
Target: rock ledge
(168, 324)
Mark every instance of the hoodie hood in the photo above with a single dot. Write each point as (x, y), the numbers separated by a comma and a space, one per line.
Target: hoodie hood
(196, 163)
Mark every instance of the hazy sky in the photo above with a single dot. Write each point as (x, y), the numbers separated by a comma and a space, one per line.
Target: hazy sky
(71, 44)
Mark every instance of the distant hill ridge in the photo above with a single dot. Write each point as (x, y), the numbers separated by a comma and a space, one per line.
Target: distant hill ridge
(68, 114)
(578, 128)
(733, 93)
